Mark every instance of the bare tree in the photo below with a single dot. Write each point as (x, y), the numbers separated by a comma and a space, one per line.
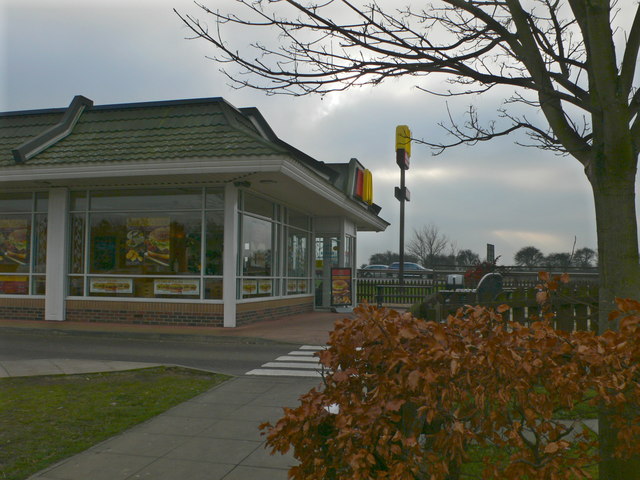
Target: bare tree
(557, 57)
(427, 244)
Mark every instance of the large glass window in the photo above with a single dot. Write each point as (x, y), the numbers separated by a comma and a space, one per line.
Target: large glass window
(298, 276)
(163, 243)
(169, 243)
(147, 243)
(274, 249)
(23, 243)
(257, 235)
(258, 248)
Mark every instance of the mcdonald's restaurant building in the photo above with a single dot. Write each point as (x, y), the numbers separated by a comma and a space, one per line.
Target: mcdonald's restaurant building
(186, 212)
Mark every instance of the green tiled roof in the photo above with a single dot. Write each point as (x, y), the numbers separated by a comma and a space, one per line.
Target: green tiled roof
(207, 128)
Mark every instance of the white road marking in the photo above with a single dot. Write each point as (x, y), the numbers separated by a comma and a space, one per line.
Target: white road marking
(289, 358)
(298, 363)
(283, 373)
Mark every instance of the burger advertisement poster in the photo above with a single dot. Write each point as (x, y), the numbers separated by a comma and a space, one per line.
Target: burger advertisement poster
(341, 286)
(148, 241)
(14, 241)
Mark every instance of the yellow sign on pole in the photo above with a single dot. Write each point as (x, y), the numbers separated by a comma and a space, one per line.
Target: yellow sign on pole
(403, 139)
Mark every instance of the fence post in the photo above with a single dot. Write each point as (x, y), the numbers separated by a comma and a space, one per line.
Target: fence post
(565, 319)
(379, 295)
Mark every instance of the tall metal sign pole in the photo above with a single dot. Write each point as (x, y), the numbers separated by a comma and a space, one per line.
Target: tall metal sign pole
(403, 154)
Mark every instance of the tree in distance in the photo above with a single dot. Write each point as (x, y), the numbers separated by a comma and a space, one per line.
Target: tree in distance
(427, 244)
(585, 257)
(388, 257)
(557, 58)
(467, 258)
(532, 257)
(528, 257)
(560, 261)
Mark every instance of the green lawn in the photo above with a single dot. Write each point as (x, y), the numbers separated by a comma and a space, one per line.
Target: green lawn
(45, 419)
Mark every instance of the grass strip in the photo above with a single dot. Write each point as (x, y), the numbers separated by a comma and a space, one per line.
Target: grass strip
(47, 418)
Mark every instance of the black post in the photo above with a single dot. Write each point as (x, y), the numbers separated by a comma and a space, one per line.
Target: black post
(403, 154)
(402, 200)
(379, 295)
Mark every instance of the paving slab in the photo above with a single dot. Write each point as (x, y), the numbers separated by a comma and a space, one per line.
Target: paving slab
(172, 469)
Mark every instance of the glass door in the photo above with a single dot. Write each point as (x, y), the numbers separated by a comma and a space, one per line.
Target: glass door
(327, 255)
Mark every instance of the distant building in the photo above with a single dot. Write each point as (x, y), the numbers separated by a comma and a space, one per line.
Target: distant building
(189, 212)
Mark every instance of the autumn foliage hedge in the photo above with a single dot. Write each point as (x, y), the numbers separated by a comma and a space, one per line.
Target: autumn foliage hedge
(477, 395)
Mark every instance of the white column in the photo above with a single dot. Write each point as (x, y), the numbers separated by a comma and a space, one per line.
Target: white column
(54, 304)
(230, 257)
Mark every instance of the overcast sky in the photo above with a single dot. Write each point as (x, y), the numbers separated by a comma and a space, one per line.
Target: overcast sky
(113, 52)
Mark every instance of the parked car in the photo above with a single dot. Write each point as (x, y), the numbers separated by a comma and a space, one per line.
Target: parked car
(373, 270)
(410, 270)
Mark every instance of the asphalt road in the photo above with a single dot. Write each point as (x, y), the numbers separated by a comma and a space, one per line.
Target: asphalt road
(232, 356)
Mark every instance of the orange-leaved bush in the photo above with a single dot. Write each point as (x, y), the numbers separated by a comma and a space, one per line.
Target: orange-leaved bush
(405, 398)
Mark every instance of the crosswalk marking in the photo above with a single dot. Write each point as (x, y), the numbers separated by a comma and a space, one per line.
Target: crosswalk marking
(287, 358)
(266, 372)
(297, 363)
(291, 365)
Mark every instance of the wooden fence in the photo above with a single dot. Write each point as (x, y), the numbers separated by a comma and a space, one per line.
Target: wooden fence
(388, 292)
(574, 308)
(574, 305)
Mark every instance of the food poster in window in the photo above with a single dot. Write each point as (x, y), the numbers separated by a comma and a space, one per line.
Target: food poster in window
(265, 287)
(14, 241)
(110, 285)
(249, 287)
(292, 286)
(176, 286)
(341, 286)
(14, 285)
(148, 241)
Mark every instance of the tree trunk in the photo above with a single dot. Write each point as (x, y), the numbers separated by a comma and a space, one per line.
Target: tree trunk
(618, 261)
(619, 277)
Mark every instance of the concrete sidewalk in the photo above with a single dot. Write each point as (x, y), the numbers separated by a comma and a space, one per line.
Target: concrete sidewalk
(213, 436)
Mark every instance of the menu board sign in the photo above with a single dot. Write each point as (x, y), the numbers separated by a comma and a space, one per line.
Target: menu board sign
(341, 293)
(148, 240)
(14, 241)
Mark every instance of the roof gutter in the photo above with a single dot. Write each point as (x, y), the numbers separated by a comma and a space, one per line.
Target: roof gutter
(51, 136)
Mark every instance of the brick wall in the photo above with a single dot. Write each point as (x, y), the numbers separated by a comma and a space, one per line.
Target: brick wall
(149, 313)
(152, 313)
(22, 308)
(269, 310)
